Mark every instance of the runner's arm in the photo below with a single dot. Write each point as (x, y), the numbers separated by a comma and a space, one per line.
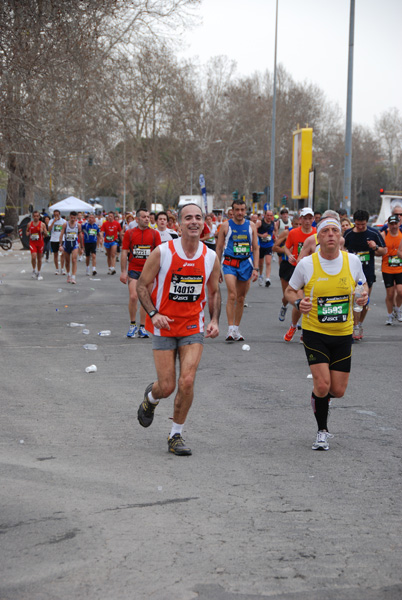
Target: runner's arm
(256, 253)
(123, 265)
(399, 251)
(147, 277)
(214, 301)
(277, 246)
(220, 243)
(62, 234)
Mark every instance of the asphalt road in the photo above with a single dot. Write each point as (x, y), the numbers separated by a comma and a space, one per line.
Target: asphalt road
(94, 507)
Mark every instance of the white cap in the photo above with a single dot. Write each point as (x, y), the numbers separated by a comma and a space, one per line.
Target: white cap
(306, 211)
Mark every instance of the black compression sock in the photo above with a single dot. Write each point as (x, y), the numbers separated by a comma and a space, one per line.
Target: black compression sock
(320, 408)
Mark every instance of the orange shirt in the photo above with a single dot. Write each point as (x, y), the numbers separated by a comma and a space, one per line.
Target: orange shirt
(390, 262)
(296, 239)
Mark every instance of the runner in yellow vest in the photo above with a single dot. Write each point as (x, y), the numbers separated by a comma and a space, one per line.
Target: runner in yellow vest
(329, 278)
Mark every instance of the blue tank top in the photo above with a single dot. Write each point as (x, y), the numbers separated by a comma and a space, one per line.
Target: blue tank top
(238, 241)
(265, 228)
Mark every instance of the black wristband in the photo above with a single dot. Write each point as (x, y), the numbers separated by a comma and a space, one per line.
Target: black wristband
(152, 313)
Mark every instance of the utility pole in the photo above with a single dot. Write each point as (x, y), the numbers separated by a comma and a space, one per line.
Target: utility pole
(347, 183)
(272, 174)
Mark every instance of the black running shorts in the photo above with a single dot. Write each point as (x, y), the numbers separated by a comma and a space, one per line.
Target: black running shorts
(391, 278)
(334, 350)
(286, 270)
(90, 248)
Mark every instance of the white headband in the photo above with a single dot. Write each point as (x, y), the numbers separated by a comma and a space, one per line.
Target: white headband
(328, 221)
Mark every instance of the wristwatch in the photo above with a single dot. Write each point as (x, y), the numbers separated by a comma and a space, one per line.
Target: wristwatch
(297, 303)
(153, 313)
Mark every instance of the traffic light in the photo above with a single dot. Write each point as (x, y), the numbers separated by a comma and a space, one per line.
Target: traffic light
(90, 161)
(235, 195)
(381, 190)
(255, 197)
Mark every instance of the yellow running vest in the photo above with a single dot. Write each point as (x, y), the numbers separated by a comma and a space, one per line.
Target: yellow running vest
(332, 300)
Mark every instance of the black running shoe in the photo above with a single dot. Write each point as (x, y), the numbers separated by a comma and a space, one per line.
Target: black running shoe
(177, 446)
(146, 409)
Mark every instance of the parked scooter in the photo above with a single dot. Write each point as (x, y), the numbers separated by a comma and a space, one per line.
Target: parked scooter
(6, 242)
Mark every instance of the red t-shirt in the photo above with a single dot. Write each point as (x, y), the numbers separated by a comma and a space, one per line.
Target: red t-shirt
(140, 242)
(111, 231)
(296, 239)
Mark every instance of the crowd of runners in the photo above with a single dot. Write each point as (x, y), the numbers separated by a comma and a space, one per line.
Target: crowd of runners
(173, 265)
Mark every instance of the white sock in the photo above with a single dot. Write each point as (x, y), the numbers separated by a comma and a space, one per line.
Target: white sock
(151, 398)
(235, 328)
(176, 428)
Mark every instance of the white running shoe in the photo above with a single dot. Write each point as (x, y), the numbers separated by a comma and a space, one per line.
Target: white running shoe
(282, 313)
(399, 315)
(40, 278)
(261, 281)
(237, 336)
(390, 320)
(81, 258)
(87, 271)
(68, 278)
(321, 442)
(73, 279)
(34, 275)
(63, 272)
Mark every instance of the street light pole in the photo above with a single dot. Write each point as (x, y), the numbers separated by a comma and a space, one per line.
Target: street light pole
(272, 174)
(347, 184)
(124, 177)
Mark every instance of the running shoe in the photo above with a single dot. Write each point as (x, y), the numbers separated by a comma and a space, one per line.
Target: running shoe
(267, 283)
(87, 271)
(360, 331)
(57, 272)
(73, 279)
(390, 320)
(68, 278)
(237, 336)
(261, 281)
(63, 272)
(112, 271)
(142, 333)
(321, 442)
(94, 271)
(34, 275)
(399, 315)
(81, 258)
(282, 313)
(356, 333)
(40, 278)
(290, 333)
(229, 337)
(146, 409)
(177, 446)
(132, 332)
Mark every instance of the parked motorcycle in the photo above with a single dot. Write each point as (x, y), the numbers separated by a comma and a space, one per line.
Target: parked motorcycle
(6, 242)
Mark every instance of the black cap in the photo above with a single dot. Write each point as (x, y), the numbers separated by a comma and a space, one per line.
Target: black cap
(393, 219)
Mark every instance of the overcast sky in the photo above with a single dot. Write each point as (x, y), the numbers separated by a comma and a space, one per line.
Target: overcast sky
(313, 40)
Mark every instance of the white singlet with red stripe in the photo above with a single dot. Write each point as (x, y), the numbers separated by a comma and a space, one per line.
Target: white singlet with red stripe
(179, 289)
